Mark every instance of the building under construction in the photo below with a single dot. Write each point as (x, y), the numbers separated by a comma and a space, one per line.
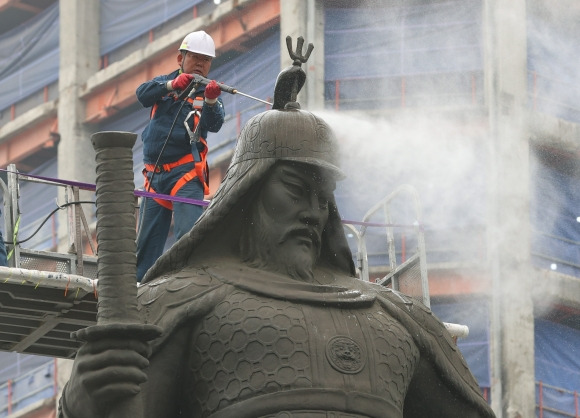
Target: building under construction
(460, 131)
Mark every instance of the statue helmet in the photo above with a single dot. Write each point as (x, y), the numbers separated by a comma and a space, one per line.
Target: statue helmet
(285, 133)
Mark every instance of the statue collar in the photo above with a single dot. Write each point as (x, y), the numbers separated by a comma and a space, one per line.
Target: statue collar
(344, 290)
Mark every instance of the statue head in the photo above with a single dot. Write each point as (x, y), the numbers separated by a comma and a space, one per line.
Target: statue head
(285, 144)
(283, 229)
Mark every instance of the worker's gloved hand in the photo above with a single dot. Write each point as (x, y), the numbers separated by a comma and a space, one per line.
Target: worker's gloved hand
(212, 91)
(181, 81)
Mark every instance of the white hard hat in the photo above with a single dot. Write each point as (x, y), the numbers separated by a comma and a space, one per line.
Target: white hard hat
(198, 42)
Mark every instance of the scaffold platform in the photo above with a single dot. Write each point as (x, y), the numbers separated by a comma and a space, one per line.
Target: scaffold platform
(40, 309)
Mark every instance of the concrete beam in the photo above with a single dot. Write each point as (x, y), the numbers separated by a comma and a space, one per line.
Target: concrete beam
(459, 283)
(547, 130)
(28, 120)
(36, 129)
(553, 288)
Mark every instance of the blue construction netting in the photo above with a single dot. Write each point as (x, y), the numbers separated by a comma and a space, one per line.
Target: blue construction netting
(37, 201)
(555, 218)
(557, 364)
(29, 54)
(553, 76)
(557, 360)
(429, 38)
(122, 21)
(435, 49)
(28, 380)
(475, 348)
(29, 57)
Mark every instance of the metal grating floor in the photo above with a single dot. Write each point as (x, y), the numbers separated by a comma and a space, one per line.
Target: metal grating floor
(40, 308)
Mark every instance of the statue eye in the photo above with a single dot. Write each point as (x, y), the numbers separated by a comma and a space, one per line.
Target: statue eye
(295, 189)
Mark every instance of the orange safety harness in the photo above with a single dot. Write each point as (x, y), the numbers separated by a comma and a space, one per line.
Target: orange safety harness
(201, 170)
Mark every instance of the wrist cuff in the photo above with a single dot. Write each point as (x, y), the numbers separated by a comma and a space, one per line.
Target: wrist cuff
(210, 101)
(169, 85)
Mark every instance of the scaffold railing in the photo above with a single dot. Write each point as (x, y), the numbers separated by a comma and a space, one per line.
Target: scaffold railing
(407, 266)
(46, 295)
(74, 261)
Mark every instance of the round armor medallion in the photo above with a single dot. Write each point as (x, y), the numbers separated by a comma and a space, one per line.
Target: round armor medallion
(345, 355)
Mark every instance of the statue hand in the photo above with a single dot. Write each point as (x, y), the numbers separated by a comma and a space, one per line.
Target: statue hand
(105, 372)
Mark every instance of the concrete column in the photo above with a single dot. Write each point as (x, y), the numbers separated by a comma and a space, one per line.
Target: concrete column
(512, 319)
(305, 18)
(79, 59)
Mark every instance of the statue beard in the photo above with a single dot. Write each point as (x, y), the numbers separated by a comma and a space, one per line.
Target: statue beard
(262, 246)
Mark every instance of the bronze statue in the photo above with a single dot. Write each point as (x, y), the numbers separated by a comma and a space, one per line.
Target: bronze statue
(262, 315)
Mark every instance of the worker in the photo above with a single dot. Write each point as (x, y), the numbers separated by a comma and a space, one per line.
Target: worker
(175, 147)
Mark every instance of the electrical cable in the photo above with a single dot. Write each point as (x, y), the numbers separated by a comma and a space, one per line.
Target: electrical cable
(46, 220)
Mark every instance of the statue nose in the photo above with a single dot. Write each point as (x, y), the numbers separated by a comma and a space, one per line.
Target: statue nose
(312, 213)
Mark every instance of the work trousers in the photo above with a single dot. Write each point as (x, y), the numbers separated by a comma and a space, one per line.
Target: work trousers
(155, 220)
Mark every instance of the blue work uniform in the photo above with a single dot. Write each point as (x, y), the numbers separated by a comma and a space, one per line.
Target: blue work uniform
(173, 166)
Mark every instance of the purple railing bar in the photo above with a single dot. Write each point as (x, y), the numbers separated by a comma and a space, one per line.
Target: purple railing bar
(143, 193)
(92, 187)
(373, 224)
(80, 185)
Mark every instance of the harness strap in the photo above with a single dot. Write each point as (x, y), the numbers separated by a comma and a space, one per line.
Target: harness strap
(200, 170)
(165, 203)
(196, 103)
(169, 166)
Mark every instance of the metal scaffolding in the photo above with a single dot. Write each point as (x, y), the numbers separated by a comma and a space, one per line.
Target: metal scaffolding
(45, 295)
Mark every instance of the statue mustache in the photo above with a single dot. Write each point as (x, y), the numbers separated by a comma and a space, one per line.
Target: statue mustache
(303, 231)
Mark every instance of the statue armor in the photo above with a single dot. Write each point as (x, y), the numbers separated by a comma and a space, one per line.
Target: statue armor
(269, 346)
(297, 355)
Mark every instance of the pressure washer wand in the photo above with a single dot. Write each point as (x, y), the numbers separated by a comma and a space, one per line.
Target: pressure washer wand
(228, 89)
(251, 97)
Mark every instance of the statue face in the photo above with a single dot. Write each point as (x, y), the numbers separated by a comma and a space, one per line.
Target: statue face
(288, 218)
